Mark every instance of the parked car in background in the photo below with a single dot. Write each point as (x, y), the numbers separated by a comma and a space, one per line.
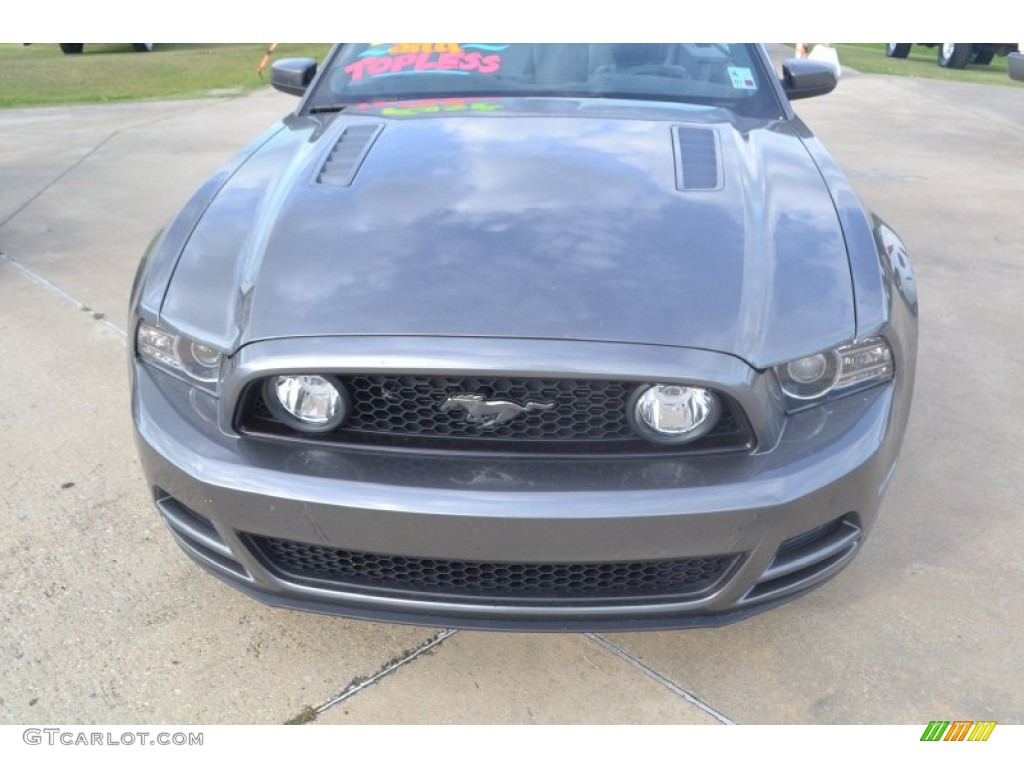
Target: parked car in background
(1016, 65)
(72, 48)
(956, 55)
(529, 337)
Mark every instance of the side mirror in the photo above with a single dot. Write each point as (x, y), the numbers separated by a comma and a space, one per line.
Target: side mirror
(803, 78)
(292, 75)
(1016, 63)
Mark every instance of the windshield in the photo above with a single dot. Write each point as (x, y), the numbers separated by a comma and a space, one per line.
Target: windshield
(721, 75)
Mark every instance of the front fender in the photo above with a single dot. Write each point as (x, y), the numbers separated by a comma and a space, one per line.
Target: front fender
(158, 263)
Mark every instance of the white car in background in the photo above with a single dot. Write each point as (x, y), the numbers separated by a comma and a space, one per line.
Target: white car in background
(1016, 65)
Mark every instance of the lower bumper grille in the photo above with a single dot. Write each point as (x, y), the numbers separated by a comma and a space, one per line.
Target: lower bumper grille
(808, 558)
(683, 578)
(197, 535)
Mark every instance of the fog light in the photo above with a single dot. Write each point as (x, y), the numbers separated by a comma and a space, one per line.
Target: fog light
(672, 413)
(308, 403)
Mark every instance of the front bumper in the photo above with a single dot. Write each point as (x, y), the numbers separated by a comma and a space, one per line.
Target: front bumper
(780, 521)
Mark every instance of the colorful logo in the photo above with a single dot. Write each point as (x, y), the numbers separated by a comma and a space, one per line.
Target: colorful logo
(432, 106)
(387, 59)
(958, 730)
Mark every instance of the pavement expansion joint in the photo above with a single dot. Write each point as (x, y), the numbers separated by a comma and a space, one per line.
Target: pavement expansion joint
(57, 291)
(56, 178)
(309, 714)
(658, 677)
(89, 154)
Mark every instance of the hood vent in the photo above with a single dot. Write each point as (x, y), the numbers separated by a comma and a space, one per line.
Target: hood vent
(347, 155)
(698, 164)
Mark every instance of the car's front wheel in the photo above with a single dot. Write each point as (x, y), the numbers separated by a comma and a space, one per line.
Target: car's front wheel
(982, 57)
(143, 47)
(897, 50)
(71, 47)
(955, 55)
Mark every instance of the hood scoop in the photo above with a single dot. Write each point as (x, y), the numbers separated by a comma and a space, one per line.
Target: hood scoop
(347, 155)
(698, 161)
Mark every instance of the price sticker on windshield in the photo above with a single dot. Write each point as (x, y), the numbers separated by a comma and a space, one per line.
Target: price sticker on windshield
(742, 79)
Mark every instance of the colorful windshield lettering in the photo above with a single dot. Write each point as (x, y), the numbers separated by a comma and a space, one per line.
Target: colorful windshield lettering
(410, 58)
(399, 48)
(431, 106)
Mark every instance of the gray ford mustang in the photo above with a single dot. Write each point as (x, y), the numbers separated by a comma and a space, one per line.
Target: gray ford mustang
(516, 336)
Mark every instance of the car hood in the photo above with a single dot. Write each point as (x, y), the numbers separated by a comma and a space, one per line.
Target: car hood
(524, 225)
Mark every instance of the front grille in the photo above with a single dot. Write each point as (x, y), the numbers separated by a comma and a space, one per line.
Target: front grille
(568, 416)
(592, 410)
(342, 569)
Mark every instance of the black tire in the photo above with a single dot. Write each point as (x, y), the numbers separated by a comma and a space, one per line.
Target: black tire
(143, 47)
(71, 47)
(955, 55)
(897, 50)
(982, 57)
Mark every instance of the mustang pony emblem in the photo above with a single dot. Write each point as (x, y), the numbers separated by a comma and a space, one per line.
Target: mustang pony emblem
(491, 413)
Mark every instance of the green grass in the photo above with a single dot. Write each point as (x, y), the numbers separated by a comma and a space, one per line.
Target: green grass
(40, 75)
(922, 62)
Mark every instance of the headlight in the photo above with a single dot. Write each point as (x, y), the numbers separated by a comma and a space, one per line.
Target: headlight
(200, 363)
(307, 403)
(809, 377)
(673, 413)
(846, 368)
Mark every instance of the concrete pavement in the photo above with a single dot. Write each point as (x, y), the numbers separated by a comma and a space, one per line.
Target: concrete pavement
(102, 619)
